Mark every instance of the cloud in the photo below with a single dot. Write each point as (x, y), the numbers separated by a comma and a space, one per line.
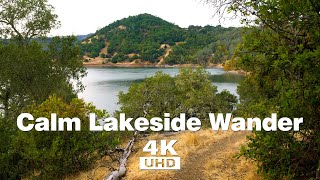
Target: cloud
(86, 16)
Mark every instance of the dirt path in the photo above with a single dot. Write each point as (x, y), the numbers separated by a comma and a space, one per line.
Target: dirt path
(195, 166)
(105, 49)
(168, 50)
(204, 155)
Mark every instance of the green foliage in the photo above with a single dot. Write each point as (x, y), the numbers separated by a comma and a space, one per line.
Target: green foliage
(54, 154)
(120, 57)
(282, 55)
(151, 55)
(177, 55)
(189, 92)
(144, 34)
(221, 53)
(133, 35)
(23, 20)
(94, 47)
(205, 43)
(203, 56)
(102, 55)
(29, 73)
(226, 101)
(7, 129)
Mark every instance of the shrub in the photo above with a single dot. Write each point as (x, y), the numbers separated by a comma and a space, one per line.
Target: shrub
(190, 92)
(120, 57)
(102, 55)
(55, 154)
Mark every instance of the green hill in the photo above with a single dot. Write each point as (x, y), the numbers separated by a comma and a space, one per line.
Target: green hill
(148, 38)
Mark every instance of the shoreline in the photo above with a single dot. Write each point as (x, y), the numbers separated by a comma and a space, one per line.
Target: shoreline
(239, 72)
(127, 65)
(131, 65)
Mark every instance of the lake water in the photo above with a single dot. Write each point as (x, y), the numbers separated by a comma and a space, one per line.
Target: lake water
(103, 84)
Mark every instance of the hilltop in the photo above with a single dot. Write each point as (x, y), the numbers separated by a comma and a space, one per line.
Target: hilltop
(151, 40)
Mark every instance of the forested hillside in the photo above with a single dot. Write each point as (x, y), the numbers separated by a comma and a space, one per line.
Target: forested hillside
(148, 38)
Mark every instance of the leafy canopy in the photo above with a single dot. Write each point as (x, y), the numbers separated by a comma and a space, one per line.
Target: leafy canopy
(282, 53)
(189, 92)
(29, 73)
(26, 19)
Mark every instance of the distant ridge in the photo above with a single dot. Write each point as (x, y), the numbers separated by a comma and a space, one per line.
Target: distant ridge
(82, 37)
(147, 38)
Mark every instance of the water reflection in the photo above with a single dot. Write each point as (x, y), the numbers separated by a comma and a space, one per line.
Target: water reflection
(104, 84)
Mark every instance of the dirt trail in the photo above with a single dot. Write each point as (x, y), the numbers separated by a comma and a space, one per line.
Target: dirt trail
(168, 50)
(105, 49)
(204, 155)
(195, 166)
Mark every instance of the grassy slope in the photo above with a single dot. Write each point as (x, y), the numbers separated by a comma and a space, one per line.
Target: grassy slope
(204, 155)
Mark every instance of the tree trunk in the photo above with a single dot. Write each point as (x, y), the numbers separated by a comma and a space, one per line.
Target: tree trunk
(116, 175)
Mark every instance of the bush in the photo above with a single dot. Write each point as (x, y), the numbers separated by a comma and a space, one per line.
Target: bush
(94, 54)
(120, 57)
(190, 92)
(102, 55)
(55, 154)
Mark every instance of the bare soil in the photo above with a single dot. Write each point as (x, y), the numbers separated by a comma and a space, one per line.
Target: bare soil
(196, 165)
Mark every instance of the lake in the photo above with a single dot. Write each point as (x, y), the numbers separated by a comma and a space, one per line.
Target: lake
(103, 84)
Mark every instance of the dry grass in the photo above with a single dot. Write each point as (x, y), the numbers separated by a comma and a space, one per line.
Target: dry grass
(122, 27)
(168, 50)
(187, 143)
(100, 170)
(226, 166)
(220, 164)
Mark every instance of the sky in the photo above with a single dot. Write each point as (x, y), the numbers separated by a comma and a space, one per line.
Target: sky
(81, 17)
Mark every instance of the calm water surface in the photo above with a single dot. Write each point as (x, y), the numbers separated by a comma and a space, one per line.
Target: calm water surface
(104, 84)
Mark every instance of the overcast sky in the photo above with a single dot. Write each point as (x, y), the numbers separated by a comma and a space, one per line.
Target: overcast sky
(79, 17)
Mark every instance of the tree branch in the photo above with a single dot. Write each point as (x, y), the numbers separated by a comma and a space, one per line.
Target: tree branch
(116, 175)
